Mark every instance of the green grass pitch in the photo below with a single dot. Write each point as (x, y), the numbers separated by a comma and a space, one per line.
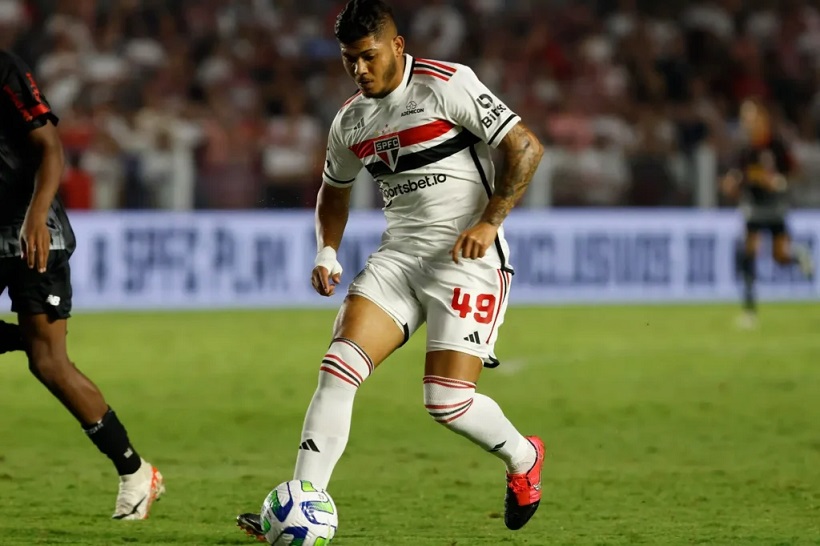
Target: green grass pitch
(664, 425)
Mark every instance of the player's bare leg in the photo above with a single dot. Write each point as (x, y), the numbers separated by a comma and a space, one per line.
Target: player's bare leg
(49, 362)
(45, 342)
(450, 379)
(786, 253)
(363, 337)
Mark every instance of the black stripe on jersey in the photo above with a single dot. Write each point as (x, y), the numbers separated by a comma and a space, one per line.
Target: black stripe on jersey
(425, 66)
(337, 180)
(506, 122)
(504, 264)
(422, 158)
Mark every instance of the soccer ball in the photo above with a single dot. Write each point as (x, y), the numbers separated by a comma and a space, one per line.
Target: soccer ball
(298, 514)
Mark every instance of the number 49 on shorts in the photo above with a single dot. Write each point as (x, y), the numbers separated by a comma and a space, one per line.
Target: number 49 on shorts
(484, 305)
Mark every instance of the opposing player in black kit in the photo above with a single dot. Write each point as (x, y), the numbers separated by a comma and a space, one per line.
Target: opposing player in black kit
(761, 182)
(36, 241)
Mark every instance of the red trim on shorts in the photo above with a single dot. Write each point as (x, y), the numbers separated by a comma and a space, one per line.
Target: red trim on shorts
(503, 278)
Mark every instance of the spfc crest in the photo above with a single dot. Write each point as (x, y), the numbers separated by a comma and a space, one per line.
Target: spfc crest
(387, 149)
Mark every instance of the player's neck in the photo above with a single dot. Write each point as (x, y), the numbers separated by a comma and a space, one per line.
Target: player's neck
(399, 79)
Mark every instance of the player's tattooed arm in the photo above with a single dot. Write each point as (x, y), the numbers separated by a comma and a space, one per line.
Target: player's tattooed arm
(522, 153)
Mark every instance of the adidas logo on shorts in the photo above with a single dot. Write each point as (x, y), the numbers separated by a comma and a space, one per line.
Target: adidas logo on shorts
(473, 338)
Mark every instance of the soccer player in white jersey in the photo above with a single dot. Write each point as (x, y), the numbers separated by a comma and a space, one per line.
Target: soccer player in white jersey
(424, 130)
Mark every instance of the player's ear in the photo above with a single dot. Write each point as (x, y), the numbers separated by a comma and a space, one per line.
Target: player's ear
(398, 46)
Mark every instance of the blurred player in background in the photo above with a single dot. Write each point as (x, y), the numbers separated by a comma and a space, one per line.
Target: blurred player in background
(424, 130)
(760, 183)
(36, 241)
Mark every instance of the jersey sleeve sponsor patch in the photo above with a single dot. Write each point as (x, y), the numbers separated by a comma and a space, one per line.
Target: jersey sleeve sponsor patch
(472, 105)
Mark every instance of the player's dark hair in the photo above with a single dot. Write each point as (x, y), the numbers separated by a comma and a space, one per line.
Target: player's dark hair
(362, 18)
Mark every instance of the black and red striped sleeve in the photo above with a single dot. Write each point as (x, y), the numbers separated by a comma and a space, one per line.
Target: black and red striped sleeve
(21, 92)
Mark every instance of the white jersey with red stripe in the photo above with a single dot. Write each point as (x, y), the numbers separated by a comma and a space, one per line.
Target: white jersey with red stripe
(427, 145)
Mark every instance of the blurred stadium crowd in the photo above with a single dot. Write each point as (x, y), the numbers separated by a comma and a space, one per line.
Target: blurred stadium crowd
(182, 104)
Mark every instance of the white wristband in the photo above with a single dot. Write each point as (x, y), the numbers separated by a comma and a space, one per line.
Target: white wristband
(327, 258)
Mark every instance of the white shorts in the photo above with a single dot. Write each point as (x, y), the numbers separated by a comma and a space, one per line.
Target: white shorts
(463, 303)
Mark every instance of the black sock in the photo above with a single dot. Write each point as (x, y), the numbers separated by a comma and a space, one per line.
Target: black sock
(747, 267)
(111, 438)
(10, 337)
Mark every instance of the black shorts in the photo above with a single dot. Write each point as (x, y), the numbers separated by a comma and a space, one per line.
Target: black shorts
(775, 227)
(34, 293)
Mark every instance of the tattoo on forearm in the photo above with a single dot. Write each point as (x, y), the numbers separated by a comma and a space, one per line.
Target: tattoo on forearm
(523, 153)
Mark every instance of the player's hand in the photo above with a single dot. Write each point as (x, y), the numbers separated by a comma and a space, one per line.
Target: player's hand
(323, 282)
(35, 241)
(474, 242)
(327, 272)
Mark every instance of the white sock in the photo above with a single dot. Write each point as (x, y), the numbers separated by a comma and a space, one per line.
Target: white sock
(455, 404)
(327, 422)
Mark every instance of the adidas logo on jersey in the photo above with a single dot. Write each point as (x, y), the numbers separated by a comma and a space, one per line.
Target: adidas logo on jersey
(412, 108)
(473, 338)
(309, 445)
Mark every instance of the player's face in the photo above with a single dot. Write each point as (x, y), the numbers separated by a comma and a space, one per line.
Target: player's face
(373, 62)
(755, 121)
